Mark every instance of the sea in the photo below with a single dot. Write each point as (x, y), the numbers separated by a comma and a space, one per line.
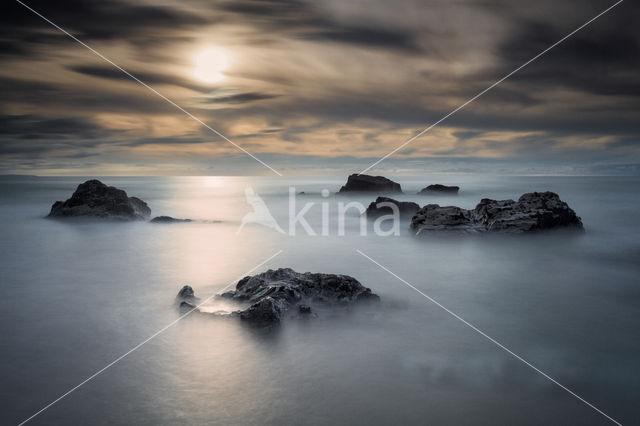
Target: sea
(470, 329)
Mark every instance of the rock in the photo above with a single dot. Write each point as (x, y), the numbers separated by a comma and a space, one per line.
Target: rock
(186, 292)
(433, 217)
(439, 189)
(272, 293)
(406, 208)
(264, 312)
(187, 305)
(95, 199)
(304, 309)
(366, 183)
(535, 211)
(168, 219)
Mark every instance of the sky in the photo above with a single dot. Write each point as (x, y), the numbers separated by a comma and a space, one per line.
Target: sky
(319, 87)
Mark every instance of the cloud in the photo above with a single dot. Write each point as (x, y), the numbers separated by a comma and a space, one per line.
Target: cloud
(330, 80)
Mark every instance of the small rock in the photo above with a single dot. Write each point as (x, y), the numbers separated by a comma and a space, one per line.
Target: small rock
(304, 309)
(186, 292)
(366, 183)
(405, 208)
(187, 305)
(168, 219)
(437, 188)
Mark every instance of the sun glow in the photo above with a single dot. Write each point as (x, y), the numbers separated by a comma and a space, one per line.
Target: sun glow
(210, 64)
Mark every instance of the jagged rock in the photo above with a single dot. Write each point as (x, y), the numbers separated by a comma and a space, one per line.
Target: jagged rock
(95, 199)
(271, 293)
(406, 208)
(433, 217)
(265, 311)
(439, 189)
(366, 183)
(168, 219)
(535, 211)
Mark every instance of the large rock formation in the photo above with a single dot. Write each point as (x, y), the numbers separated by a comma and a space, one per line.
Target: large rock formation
(535, 211)
(378, 208)
(271, 294)
(439, 189)
(95, 199)
(366, 183)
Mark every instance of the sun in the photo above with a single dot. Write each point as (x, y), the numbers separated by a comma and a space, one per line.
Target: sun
(210, 64)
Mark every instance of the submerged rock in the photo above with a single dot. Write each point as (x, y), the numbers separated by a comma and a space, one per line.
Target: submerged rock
(439, 189)
(272, 293)
(366, 183)
(168, 219)
(95, 199)
(378, 208)
(534, 211)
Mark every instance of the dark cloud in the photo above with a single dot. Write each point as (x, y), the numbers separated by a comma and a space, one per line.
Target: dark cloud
(38, 127)
(22, 31)
(600, 59)
(371, 37)
(110, 72)
(240, 98)
(304, 20)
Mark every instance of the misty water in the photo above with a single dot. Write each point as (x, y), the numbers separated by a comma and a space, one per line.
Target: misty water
(77, 295)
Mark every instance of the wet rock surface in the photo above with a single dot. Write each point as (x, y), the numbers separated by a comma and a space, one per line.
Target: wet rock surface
(381, 206)
(439, 189)
(535, 211)
(367, 183)
(94, 199)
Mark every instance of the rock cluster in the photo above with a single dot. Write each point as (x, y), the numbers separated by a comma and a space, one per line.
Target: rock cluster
(272, 293)
(366, 183)
(95, 199)
(534, 211)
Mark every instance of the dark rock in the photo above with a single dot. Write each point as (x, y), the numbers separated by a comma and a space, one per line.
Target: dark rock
(187, 305)
(433, 217)
(535, 211)
(304, 309)
(186, 292)
(186, 298)
(168, 219)
(95, 199)
(406, 208)
(439, 189)
(366, 183)
(273, 292)
(265, 311)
